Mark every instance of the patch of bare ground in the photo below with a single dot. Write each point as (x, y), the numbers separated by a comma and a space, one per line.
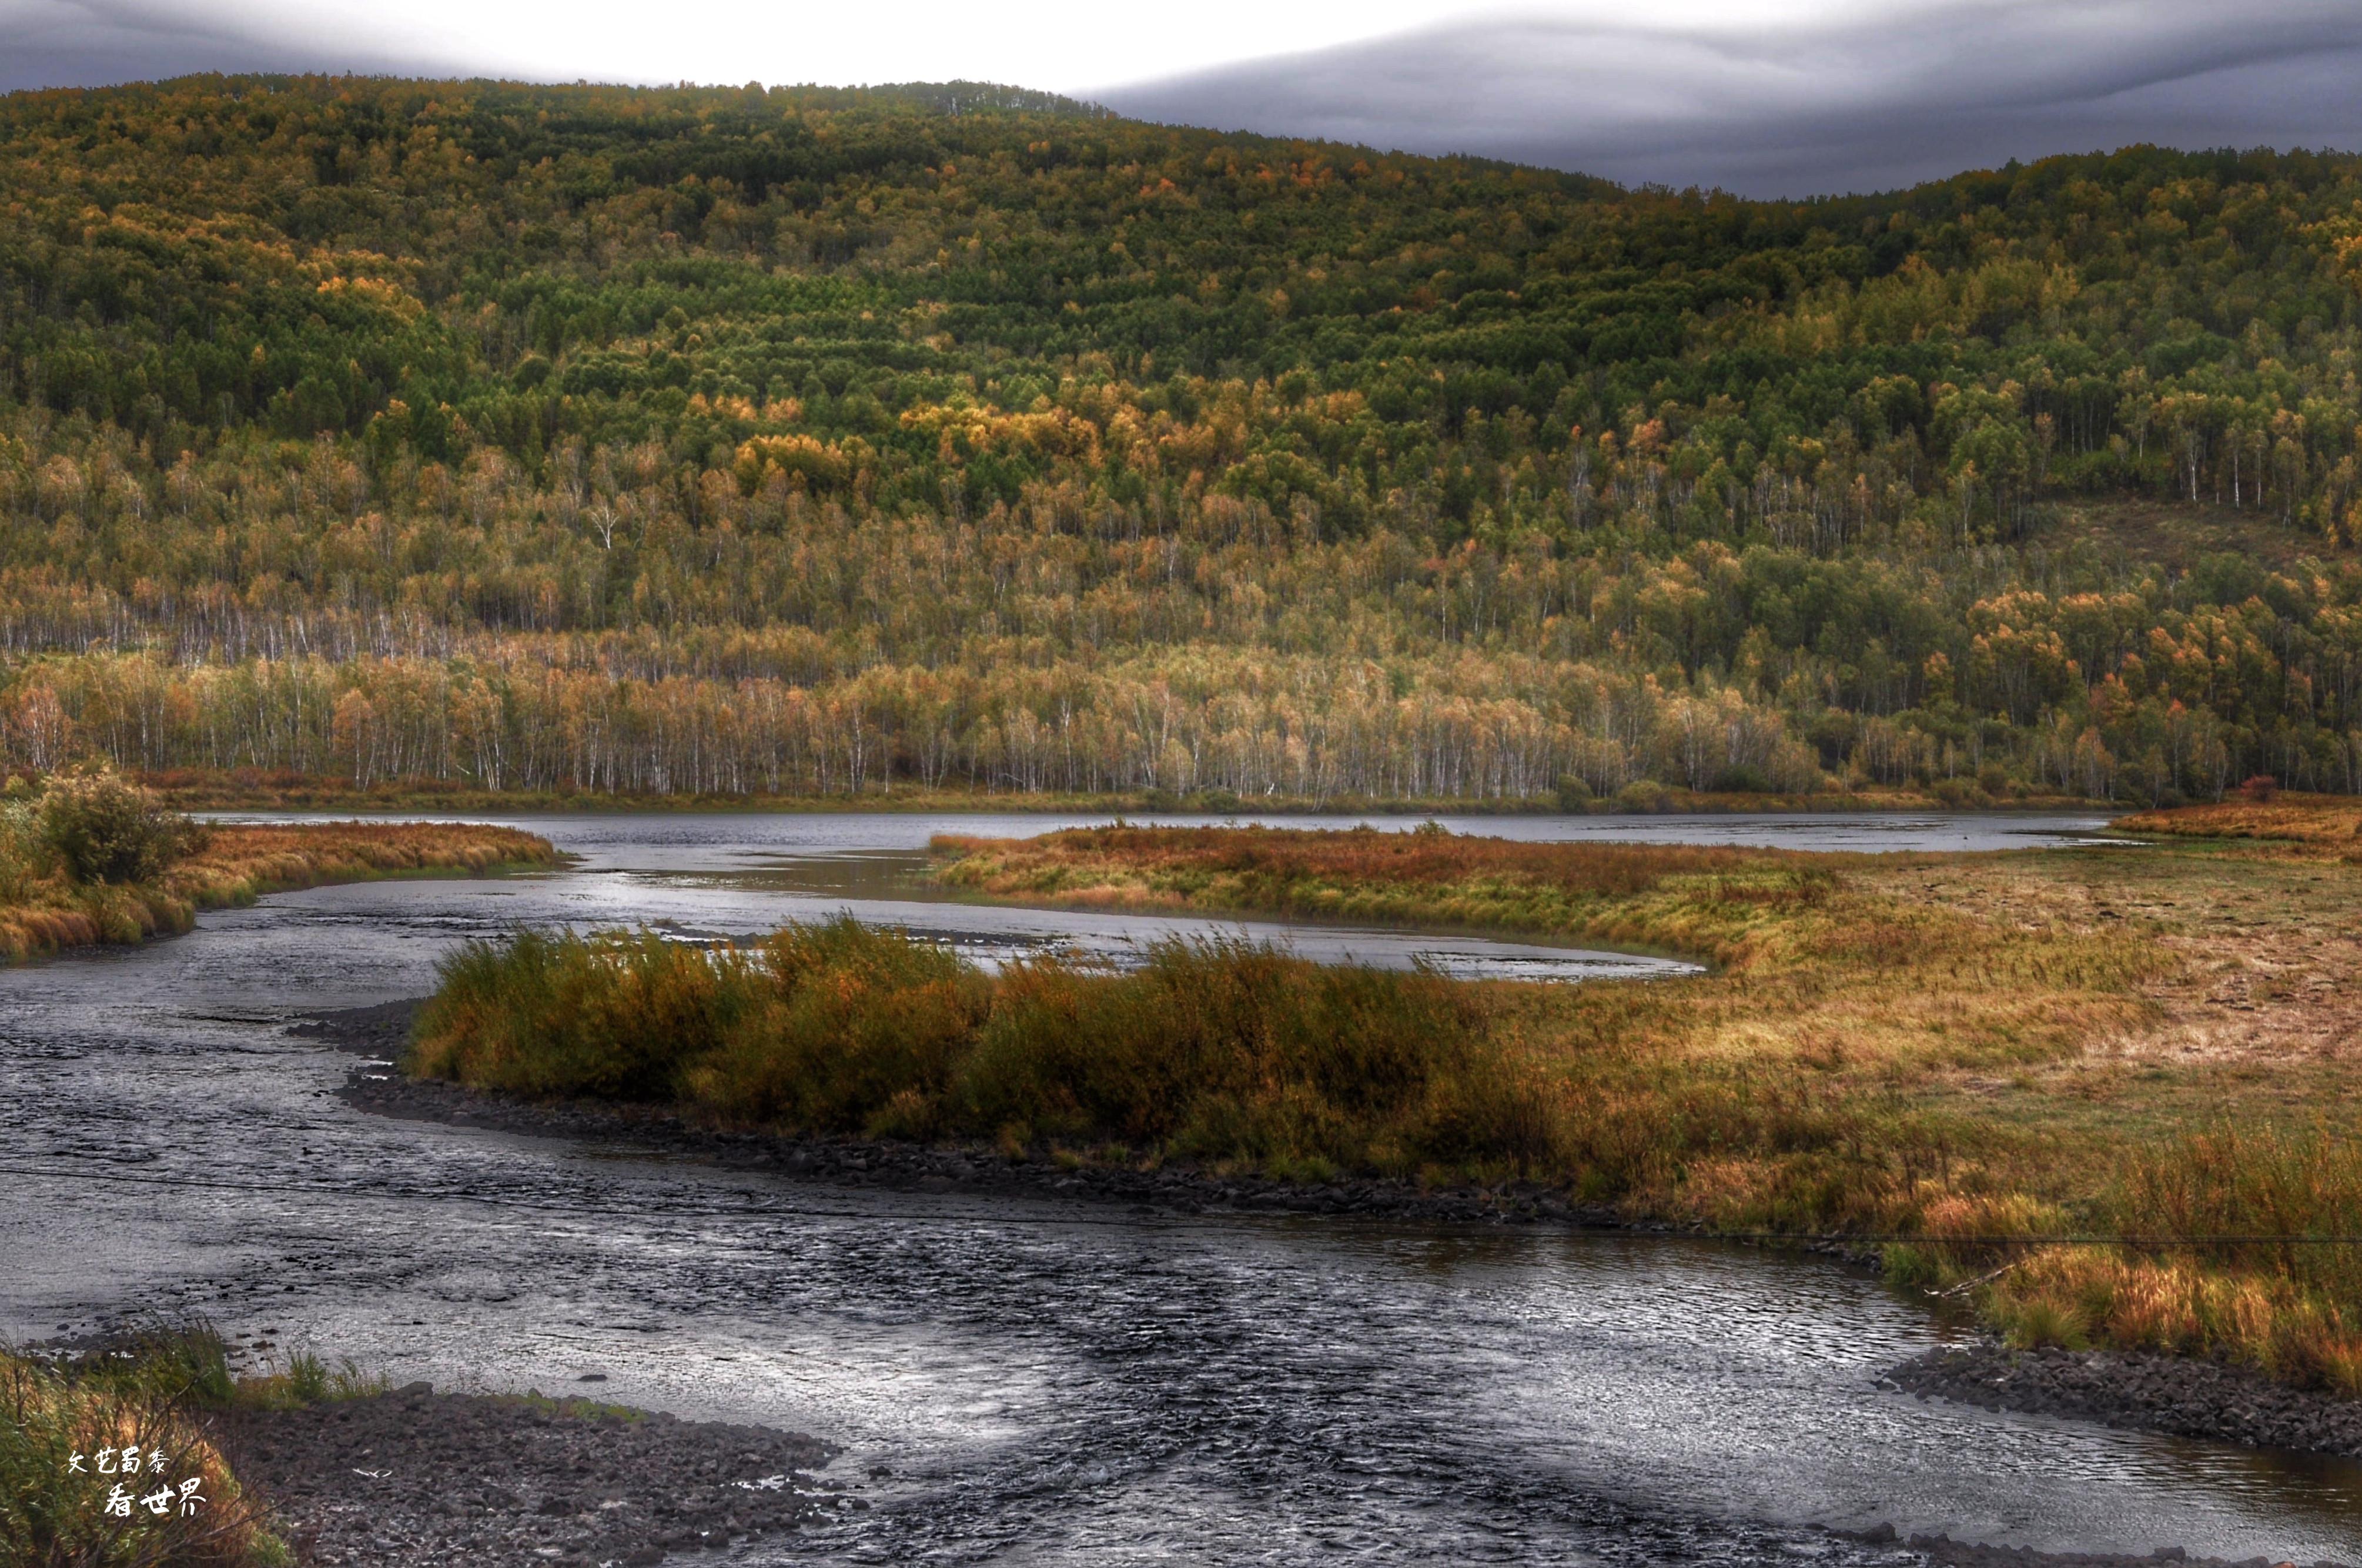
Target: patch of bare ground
(418, 1479)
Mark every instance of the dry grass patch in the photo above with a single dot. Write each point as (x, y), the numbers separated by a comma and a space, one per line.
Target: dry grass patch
(2331, 823)
(44, 907)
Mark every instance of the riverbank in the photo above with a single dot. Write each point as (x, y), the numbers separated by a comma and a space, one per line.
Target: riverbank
(383, 1031)
(239, 863)
(334, 1471)
(2153, 1392)
(2139, 1392)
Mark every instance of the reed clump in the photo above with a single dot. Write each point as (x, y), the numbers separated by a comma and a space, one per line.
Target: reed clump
(67, 1422)
(1213, 1050)
(2240, 1244)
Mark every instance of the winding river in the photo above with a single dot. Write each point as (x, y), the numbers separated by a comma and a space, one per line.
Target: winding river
(1023, 1381)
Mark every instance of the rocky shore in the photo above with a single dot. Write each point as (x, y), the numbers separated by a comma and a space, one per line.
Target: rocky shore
(2140, 1393)
(417, 1479)
(383, 1030)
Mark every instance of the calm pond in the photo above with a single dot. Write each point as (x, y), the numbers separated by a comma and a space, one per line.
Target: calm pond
(1047, 1382)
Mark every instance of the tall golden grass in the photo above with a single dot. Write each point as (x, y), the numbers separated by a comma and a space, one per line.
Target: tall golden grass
(1216, 1051)
(160, 1393)
(2238, 1243)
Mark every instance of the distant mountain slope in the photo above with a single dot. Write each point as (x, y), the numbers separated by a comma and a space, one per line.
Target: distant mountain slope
(606, 438)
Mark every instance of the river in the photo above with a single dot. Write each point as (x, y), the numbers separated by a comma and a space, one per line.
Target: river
(1046, 1383)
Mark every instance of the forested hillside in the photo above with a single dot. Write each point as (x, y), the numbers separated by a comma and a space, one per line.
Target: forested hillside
(811, 441)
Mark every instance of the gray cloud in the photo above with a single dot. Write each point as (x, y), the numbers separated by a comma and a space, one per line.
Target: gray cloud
(1870, 105)
(90, 43)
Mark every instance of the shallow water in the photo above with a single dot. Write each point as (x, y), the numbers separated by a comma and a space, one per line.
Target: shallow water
(737, 874)
(1047, 1383)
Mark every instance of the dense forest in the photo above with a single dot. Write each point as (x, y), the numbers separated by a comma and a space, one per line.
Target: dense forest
(597, 440)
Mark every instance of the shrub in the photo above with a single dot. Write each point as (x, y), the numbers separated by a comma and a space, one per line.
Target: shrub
(1743, 779)
(105, 830)
(1643, 795)
(1220, 1049)
(25, 856)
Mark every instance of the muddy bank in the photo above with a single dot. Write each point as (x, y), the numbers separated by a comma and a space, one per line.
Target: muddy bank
(417, 1479)
(383, 1030)
(2138, 1392)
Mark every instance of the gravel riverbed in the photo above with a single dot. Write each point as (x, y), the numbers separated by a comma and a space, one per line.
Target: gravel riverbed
(418, 1479)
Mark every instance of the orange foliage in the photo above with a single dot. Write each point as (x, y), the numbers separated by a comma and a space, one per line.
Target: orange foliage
(1363, 856)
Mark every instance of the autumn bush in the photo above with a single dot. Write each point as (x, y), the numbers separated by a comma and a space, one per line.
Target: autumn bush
(1215, 1050)
(104, 829)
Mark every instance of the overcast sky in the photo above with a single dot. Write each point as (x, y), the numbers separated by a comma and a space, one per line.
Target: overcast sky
(1775, 97)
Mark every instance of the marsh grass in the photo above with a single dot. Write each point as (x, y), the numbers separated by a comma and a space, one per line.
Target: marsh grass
(1711, 901)
(1215, 1050)
(160, 1389)
(2239, 1244)
(2331, 822)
